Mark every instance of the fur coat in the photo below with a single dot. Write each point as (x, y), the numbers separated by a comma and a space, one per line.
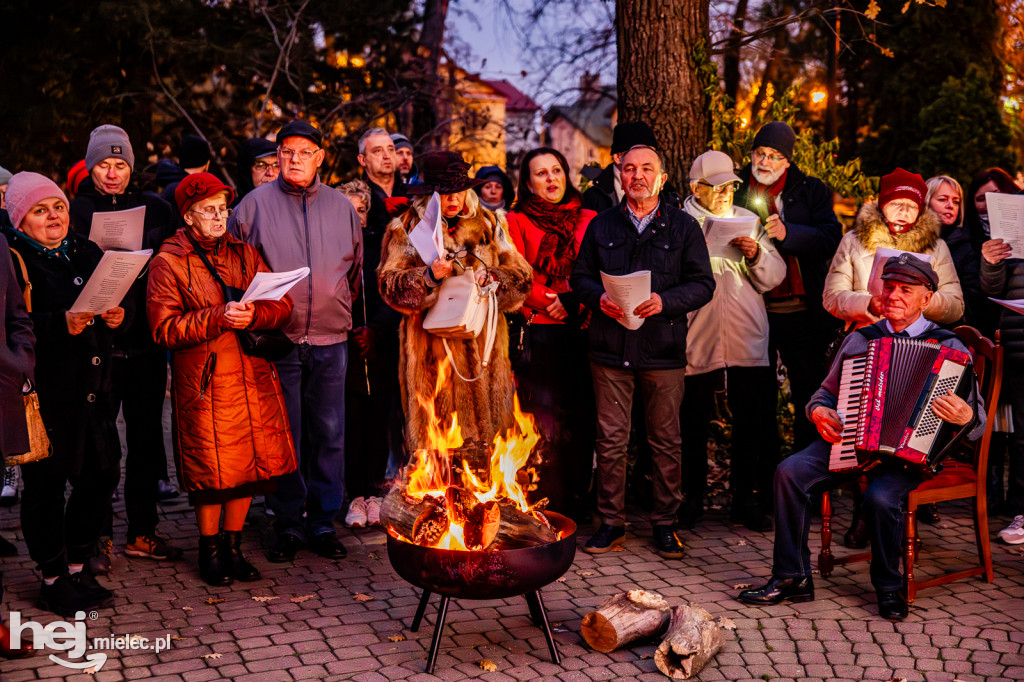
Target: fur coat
(846, 287)
(484, 406)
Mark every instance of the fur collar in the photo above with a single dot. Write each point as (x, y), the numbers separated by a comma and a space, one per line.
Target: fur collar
(871, 230)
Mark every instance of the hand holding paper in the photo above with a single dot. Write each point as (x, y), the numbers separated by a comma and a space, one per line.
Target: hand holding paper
(110, 281)
(1006, 219)
(628, 292)
(272, 286)
(720, 233)
(428, 237)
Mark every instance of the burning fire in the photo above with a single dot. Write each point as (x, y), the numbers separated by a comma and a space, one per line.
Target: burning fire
(430, 473)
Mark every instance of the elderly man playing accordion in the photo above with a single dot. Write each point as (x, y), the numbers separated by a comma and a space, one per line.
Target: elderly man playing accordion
(908, 285)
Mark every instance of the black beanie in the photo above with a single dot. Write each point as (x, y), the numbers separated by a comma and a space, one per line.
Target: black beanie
(630, 134)
(776, 135)
(194, 152)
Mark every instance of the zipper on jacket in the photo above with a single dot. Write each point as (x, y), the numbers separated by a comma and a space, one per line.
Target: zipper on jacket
(309, 264)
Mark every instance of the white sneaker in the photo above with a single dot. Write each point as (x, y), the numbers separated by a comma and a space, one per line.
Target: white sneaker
(1014, 533)
(373, 511)
(9, 492)
(356, 516)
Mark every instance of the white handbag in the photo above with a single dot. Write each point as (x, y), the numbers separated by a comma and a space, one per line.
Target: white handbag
(464, 310)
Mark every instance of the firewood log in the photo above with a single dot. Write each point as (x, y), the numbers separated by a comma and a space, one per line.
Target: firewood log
(399, 512)
(693, 638)
(624, 618)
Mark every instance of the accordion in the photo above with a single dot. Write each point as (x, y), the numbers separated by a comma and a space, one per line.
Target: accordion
(885, 402)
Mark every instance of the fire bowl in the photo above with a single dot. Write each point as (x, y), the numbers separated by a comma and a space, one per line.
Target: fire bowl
(486, 574)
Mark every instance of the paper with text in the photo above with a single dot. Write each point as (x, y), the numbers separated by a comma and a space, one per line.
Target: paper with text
(718, 232)
(882, 254)
(110, 281)
(1006, 220)
(627, 292)
(272, 286)
(118, 230)
(428, 235)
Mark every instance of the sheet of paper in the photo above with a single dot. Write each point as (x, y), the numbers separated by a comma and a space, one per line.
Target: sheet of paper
(1006, 219)
(1016, 306)
(428, 235)
(718, 232)
(627, 292)
(882, 254)
(110, 281)
(118, 230)
(272, 286)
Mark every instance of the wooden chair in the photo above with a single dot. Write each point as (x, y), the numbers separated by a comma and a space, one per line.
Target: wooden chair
(957, 480)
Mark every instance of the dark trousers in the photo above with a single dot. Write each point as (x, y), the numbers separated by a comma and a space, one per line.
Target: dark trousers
(1013, 386)
(140, 385)
(663, 394)
(57, 535)
(313, 382)
(366, 440)
(805, 473)
(556, 389)
(752, 393)
(801, 342)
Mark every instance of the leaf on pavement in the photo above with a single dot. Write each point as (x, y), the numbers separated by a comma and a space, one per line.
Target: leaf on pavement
(264, 599)
(363, 597)
(213, 655)
(213, 600)
(488, 666)
(300, 599)
(397, 638)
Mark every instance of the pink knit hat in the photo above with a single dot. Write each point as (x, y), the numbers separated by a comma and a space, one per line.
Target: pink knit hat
(25, 190)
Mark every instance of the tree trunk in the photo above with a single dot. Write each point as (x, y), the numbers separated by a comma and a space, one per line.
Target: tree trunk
(693, 639)
(625, 618)
(731, 56)
(425, 115)
(657, 76)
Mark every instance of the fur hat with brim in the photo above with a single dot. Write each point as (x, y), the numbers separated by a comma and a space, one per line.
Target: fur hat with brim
(198, 186)
(444, 173)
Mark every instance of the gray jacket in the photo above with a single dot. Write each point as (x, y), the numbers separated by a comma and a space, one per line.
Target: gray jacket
(315, 227)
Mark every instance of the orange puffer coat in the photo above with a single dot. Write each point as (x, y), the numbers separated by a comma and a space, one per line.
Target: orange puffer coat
(233, 431)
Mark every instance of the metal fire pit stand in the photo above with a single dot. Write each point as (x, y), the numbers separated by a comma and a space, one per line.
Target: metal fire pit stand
(538, 615)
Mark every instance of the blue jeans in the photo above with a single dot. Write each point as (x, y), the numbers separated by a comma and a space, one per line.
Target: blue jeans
(313, 381)
(806, 472)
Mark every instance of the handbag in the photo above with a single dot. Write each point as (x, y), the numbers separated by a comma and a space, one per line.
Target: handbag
(464, 310)
(269, 344)
(39, 442)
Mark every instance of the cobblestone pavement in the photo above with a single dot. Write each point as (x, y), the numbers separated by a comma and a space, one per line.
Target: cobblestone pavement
(304, 620)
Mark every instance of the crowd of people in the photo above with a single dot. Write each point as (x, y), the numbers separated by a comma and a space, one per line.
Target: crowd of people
(322, 428)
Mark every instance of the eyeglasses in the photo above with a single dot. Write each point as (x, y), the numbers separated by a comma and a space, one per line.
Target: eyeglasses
(725, 188)
(904, 206)
(770, 158)
(289, 154)
(213, 215)
(264, 167)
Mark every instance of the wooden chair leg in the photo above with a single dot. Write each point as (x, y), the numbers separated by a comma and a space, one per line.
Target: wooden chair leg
(981, 535)
(909, 549)
(826, 561)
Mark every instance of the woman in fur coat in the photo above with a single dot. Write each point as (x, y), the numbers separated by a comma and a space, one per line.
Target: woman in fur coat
(478, 240)
(899, 219)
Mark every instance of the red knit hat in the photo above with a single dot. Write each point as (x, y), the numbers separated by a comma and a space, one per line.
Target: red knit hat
(196, 187)
(77, 173)
(902, 184)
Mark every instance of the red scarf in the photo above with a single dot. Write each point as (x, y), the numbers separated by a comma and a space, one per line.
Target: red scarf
(557, 252)
(793, 285)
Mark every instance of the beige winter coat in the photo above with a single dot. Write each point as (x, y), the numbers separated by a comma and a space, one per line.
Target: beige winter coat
(846, 286)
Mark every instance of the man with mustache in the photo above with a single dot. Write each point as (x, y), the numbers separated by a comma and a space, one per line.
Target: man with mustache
(642, 233)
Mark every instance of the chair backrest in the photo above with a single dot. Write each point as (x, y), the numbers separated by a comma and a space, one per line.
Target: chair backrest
(988, 367)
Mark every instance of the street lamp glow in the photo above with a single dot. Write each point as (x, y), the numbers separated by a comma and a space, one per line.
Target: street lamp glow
(818, 96)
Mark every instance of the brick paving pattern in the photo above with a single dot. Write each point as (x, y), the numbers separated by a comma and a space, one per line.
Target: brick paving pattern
(315, 629)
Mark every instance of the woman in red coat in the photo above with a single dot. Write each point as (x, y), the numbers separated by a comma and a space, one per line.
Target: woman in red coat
(231, 433)
(547, 225)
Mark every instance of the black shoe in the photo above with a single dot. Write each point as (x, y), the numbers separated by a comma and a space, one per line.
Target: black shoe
(891, 605)
(689, 514)
(857, 536)
(927, 513)
(64, 597)
(88, 584)
(666, 542)
(284, 549)
(241, 569)
(604, 539)
(752, 517)
(214, 562)
(328, 546)
(778, 590)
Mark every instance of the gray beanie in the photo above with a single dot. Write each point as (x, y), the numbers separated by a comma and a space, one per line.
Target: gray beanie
(5, 175)
(776, 135)
(108, 142)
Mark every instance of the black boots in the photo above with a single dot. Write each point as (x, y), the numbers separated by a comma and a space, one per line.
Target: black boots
(241, 569)
(214, 560)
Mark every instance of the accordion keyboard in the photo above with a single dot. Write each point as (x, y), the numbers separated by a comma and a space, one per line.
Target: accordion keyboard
(851, 383)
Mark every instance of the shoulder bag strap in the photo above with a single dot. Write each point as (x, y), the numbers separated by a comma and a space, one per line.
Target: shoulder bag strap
(26, 285)
(209, 266)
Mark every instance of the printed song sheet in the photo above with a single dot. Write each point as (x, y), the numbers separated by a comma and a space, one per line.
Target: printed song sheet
(627, 292)
(718, 232)
(427, 236)
(1006, 218)
(272, 286)
(111, 280)
(882, 254)
(118, 230)
(1016, 306)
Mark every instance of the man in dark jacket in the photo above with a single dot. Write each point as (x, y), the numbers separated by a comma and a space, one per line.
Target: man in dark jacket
(606, 189)
(796, 211)
(139, 365)
(642, 233)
